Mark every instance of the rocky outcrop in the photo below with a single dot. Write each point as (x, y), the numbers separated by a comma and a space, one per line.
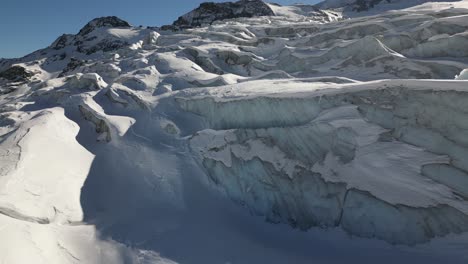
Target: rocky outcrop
(365, 5)
(209, 12)
(62, 41)
(104, 45)
(71, 66)
(16, 73)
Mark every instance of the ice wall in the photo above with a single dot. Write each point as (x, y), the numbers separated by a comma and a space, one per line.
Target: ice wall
(385, 159)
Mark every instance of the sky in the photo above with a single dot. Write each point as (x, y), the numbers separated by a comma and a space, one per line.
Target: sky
(28, 25)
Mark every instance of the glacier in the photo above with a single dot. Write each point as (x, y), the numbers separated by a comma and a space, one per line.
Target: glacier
(277, 134)
(364, 142)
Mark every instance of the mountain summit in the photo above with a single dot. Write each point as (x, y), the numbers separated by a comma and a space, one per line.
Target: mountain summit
(95, 36)
(110, 21)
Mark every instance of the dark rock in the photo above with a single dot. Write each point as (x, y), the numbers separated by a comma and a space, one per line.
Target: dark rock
(365, 5)
(110, 21)
(71, 66)
(4, 63)
(169, 28)
(62, 42)
(209, 12)
(104, 45)
(16, 73)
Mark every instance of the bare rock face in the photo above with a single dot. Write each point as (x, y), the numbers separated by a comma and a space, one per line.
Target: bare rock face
(62, 41)
(209, 12)
(71, 66)
(16, 73)
(365, 5)
(110, 21)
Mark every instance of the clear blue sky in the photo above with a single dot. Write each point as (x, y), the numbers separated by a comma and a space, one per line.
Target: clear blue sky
(28, 25)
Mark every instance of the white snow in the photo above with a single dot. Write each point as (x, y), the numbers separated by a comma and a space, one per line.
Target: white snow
(348, 125)
(40, 185)
(463, 75)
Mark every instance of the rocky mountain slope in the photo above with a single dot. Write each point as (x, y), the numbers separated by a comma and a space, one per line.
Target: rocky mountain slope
(210, 12)
(124, 144)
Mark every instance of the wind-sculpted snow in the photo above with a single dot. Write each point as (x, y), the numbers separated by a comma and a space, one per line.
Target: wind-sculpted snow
(30, 189)
(124, 144)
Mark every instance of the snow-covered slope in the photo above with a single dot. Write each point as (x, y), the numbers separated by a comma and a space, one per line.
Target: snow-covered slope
(124, 144)
(366, 5)
(355, 8)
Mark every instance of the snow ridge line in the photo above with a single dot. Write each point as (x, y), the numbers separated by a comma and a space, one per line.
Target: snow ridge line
(19, 216)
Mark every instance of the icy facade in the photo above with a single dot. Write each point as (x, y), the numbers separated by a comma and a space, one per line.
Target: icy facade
(364, 156)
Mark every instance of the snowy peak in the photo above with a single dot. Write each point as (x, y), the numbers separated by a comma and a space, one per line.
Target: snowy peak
(209, 12)
(100, 34)
(110, 21)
